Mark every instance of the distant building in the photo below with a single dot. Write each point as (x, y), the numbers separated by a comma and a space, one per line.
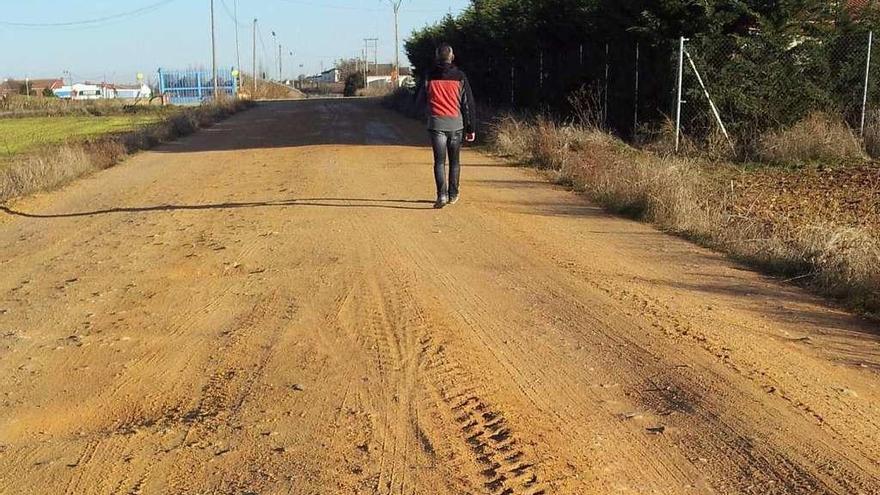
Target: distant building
(86, 91)
(89, 91)
(331, 76)
(384, 74)
(36, 87)
(131, 92)
(387, 70)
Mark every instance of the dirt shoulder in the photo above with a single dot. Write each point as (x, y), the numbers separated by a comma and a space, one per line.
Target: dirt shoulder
(272, 306)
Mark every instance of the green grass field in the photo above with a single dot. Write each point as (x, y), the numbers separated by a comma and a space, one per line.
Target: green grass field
(20, 135)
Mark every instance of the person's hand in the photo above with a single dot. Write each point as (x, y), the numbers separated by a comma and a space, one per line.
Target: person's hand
(471, 137)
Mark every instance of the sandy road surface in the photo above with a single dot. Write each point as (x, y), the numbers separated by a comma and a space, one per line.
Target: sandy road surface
(271, 307)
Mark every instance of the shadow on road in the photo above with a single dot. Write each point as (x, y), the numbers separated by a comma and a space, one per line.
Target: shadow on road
(389, 204)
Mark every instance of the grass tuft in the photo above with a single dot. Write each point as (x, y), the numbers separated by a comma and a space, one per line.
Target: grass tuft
(817, 138)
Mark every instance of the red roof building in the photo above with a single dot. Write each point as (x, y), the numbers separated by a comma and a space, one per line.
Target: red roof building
(35, 86)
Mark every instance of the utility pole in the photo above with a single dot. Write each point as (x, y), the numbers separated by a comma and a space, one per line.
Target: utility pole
(280, 59)
(214, 54)
(237, 49)
(368, 42)
(275, 41)
(255, 58)
(396, 5)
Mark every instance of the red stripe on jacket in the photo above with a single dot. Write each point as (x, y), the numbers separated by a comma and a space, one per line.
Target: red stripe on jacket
(445, 98)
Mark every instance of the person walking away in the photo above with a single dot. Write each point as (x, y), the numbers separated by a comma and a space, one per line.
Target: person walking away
(451, 119)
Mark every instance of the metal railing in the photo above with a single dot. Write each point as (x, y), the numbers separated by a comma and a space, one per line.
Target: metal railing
(192, 87)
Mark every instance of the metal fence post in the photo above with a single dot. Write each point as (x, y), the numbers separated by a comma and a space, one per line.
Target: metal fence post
(636, 104)
(678, 98)
(867, 80)
(541, 70)
(161, 83)
(512, 84)
(607, 74)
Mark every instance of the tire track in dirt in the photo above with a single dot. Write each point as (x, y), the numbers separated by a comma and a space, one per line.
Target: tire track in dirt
(483, 432)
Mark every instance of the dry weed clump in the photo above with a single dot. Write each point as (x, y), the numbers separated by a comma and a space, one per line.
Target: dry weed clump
(268, 90)
(509, 137)
(679, 196)
(55, 166)
(541, 141)
(817, 138)
(376, 90)
(587, 104)
(845, 260)
(549, 144)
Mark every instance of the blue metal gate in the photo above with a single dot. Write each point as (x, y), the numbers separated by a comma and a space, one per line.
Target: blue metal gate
(191, 87)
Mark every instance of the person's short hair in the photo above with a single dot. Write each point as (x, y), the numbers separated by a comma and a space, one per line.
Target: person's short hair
(445, 53)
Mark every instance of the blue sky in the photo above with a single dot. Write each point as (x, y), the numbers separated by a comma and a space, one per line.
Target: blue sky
(176, 34)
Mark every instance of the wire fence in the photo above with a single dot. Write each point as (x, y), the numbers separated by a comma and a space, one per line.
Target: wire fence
(741, 85)
(745, 87)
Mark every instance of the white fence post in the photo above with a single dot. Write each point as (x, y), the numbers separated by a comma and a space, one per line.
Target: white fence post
(678, 99)
(867, 79)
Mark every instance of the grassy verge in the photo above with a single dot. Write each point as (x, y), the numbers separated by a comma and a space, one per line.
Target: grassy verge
(700, 201)
(12, 106)
(26, 134)
(64, 153)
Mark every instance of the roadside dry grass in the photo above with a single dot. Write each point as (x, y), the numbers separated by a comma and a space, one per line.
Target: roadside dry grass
(269, 90)
(54, 164)
(817, 138)
(697, 200)
(376, 90)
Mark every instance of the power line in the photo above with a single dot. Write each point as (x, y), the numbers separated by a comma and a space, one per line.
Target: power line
(232, 16)
(352, 8)
(89, 22)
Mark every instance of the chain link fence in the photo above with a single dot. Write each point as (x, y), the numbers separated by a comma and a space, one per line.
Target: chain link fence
(756, 83)
(757, 87)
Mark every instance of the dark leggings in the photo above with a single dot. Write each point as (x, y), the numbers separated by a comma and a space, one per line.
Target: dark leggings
(445, 142)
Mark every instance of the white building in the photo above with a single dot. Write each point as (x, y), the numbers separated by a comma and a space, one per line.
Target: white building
(333, 75)
(88, 91)
(133, 92)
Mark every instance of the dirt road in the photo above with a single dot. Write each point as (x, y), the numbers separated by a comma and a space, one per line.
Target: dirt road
(272, 306)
